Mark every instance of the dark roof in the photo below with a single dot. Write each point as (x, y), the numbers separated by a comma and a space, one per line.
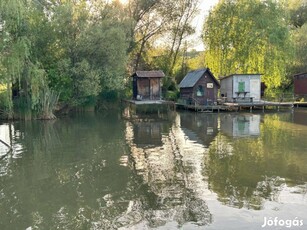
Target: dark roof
(149, 74)
(240, 74)
(192, 78)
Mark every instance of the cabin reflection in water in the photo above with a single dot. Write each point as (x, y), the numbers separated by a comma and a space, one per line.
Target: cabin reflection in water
(147, 133)
(171, 174)
(241, 125)
(201, 128)
(299, 117)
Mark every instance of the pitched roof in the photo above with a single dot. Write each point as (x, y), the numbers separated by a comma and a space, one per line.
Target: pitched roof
(192, 78)
(300, 74)
(149, 74)
(240, 74)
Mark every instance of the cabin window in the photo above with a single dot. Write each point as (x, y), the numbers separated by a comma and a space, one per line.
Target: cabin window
(200, 91)
(241, 87)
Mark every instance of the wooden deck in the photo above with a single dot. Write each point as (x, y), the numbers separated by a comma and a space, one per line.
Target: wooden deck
(148, 102)
(229, 106)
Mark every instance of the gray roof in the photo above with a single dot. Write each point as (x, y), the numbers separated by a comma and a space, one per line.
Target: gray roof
(241, 74)
(149, 74)
(300, 74)
(192, 78)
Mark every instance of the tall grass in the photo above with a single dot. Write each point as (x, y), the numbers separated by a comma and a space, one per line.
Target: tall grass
(47, 103)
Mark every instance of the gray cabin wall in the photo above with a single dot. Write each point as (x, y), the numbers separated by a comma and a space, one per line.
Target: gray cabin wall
(252, 87)
(226, 88)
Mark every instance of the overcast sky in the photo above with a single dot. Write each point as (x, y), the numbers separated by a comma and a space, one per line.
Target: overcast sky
(205, 6)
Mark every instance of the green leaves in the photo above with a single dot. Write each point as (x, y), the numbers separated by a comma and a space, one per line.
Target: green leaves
(87, 80)
(248, 37)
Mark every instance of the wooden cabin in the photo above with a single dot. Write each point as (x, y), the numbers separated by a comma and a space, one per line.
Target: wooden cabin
(200, 87)
(147, 85)
(241, 88)
(300, 85)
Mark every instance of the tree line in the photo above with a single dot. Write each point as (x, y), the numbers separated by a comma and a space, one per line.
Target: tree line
(80, 53)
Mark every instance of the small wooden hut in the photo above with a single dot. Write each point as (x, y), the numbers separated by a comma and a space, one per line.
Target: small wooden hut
(241, 87)
(300, 85)
(147, 85)
(199, 86)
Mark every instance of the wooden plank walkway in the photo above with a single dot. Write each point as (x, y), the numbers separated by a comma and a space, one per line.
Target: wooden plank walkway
(229, 106)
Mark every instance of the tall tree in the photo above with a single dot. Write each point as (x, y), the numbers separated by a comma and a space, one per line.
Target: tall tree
(180, 27)
(14, 47)
(298, 22)
(248, 36)
(298, 12)
(160, 22)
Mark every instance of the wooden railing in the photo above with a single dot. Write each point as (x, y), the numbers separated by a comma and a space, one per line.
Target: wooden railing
(281, 97)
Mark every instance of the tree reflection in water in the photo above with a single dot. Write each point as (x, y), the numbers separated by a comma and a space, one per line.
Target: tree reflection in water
(171, 172)
(245, 169)
(102, 172)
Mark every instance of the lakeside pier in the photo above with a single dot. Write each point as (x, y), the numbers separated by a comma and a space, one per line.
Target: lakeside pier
(237, 106)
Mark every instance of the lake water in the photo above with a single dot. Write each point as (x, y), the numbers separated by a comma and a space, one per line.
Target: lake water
(181, 171)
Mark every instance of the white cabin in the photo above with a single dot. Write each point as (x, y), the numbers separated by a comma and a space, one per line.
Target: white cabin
(241, 87)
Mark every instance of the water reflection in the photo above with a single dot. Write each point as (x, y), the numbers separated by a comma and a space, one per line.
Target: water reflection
(172, 174)
(240, 125)
(201, 128)
(300, 117)
(248, 172)
(67, 175)
(96, 171)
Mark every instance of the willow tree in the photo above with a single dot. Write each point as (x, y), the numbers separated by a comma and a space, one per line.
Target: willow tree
(20, 69)
(298, 22)
(14, 47)
(248, 36)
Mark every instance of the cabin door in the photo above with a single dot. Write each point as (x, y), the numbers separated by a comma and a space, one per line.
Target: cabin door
(210, 94)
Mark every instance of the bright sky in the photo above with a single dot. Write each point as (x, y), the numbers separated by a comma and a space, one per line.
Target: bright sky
(205, 6)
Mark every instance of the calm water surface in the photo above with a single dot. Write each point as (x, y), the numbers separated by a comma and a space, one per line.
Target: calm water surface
(183, 171)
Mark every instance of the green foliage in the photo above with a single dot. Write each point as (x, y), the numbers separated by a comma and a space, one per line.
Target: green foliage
(60, 79)
(86, 80)
(172, 95)
(4, 105)
(300, 38)
(46, 105)
(298, 12)
(248, 37)
(84, 50)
